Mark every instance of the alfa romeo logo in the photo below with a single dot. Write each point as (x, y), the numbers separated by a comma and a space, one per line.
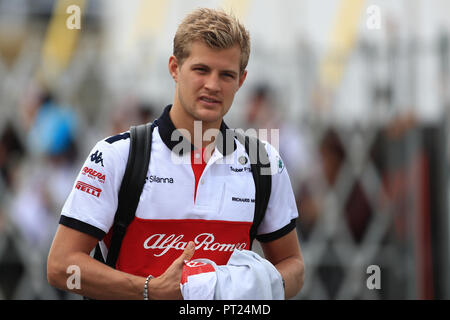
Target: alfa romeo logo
(194, 264)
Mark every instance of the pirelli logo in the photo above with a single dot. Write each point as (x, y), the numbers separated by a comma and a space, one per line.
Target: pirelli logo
(88, 188)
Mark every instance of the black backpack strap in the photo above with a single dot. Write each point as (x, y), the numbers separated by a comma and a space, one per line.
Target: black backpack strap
(131, 188)
(260, 167)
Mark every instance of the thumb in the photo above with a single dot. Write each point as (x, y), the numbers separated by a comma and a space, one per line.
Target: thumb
(189, 251)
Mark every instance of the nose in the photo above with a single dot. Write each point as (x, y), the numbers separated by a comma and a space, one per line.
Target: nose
(212, 82)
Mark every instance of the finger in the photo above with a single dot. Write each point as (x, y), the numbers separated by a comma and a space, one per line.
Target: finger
(188, 252)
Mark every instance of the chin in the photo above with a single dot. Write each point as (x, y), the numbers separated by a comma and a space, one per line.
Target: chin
(209, 115)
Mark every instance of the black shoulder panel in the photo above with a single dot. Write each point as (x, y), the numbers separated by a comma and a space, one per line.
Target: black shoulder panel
(118, 137)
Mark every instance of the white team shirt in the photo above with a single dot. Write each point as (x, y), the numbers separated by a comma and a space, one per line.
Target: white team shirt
(167, 216)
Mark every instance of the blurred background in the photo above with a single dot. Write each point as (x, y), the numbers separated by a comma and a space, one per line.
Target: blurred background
(359, 90)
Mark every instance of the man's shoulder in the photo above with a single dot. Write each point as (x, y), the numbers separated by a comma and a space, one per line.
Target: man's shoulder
(114, 147)
(276, 162)
(118, 137)
(117, 145)
(272, 151)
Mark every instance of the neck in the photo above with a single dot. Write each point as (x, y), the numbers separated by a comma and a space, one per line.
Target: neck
(196, 128)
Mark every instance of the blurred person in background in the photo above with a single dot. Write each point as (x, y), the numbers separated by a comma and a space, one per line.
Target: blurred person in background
(12, 152)
(132, 112)
(211, 50)
(264, 113)
(294, 145)
(46, 178)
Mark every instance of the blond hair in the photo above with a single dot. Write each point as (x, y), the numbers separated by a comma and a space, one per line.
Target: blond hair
(216, 29)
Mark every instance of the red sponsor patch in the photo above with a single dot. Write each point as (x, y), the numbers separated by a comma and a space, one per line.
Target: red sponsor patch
(88, 188)
(150, 246)
(193, 267)
(93, 174)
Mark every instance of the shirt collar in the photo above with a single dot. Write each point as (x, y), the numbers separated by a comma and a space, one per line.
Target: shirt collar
(166, 129)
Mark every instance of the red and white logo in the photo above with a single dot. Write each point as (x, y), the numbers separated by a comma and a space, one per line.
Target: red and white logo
(195, 267)
(195, 264)
(204, 241)
(88, 188)
(151, 246)
(91, 173)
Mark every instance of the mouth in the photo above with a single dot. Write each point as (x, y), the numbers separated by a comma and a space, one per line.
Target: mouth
(209, 101)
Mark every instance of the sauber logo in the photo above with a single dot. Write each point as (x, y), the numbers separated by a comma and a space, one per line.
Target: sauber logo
(88, 188)
(204, 241)
(93, 174)
(243, 169)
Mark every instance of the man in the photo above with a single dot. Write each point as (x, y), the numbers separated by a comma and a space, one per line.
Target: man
(197, 207)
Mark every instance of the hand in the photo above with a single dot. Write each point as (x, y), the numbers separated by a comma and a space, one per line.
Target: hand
(167, 286)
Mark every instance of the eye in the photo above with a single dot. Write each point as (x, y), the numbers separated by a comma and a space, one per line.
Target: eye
(228, 75)
(200, 69)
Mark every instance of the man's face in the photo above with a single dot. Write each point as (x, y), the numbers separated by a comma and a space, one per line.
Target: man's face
(207, 81)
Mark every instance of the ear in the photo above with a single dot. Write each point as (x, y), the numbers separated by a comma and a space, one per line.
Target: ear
(173, 67)
(242, 78)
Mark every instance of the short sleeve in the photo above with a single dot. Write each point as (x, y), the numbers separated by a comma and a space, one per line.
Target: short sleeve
(281, 213)
(92, 202)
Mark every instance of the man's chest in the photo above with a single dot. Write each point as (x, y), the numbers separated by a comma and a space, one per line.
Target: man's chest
(225, 191)
(168, 216)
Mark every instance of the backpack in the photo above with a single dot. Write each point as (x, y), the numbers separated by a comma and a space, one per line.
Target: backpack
(134, 179)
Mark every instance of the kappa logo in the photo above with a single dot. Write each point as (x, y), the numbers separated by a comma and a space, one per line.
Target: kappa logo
(88, 189)
(96, 157)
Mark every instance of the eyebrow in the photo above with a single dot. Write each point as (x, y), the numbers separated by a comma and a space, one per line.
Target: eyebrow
(207, 67)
